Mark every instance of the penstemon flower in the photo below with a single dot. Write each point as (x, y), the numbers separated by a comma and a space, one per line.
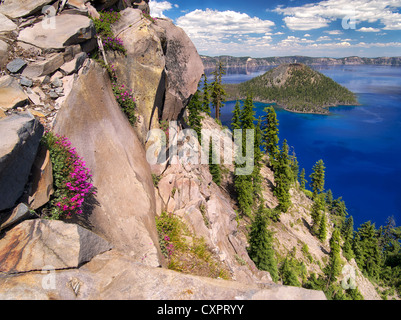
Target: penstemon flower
(70, 175)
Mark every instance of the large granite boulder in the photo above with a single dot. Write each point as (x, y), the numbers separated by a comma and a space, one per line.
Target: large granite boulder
(142, 68)
(124, 212)
(69, 29)
(35, 244)
(22, 8)
(184, 69)
(11, 93)
(6, 25)
(161, 66)
(20, 137)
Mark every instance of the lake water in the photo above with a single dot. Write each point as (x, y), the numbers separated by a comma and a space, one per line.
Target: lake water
(360, 146)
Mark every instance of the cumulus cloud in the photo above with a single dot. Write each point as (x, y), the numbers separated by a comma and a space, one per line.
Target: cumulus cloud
(157, 8)
(213, 30)
(370, 29)
(318, 15)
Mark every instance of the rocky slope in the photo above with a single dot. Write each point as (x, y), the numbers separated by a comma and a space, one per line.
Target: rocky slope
(112, 250)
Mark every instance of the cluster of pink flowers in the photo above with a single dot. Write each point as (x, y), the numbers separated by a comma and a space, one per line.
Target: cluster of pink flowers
(113, 44)
(169, 246)
(70, 174)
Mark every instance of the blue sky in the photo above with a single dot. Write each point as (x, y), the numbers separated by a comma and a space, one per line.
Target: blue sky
(329, 28)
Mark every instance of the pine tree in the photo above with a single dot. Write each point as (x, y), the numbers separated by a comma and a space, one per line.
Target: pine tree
(317, 177)
(256, 175)
(348, 234)
(195, 118)
(323, 228)
(214, 167)
(367, 251)
(294, 166)
(334, 266)
(260, 244)
(282, 179)
(288, 274)
(218, 92)
(206, 96)
(302, 180)
(270, 134)
(244, 183)
(236, 120)
(329, 199)
(317, 211)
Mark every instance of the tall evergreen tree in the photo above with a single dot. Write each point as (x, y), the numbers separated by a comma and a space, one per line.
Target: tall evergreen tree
(194, 110)
(302, 180)
(214, 167)
(244, 183)
(323, 228)
(317, 211)
(256, 175)
(282, 179)
(270, 134)
(218, 92)
(367, 251)
(294, 166)
(206, 96)
(348, 236)
(260, 244)
(236, 120)
(317, 177)
(334, 266)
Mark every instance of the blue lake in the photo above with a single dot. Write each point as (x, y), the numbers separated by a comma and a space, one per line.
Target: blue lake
(360, 146)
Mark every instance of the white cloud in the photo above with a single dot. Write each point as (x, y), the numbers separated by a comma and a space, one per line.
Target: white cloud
(318, 15)
(306, 35)
(370, 29)
(157, 8)
(334, 32)
(214, 31)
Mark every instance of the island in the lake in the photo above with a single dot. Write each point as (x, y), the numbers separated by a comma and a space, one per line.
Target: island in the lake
(295, 87)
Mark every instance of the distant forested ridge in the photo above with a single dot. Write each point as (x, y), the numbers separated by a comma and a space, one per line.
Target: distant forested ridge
(295, 87)
(254, 63)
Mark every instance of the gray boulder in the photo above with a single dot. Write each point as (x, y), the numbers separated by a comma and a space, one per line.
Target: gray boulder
(35, 244)
(69, 29)
(22, 8)
(126, 206)
(11, 93)
(20, 137)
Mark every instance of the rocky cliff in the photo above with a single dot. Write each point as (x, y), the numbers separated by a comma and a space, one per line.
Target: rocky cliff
(253, 64)
(54, 78)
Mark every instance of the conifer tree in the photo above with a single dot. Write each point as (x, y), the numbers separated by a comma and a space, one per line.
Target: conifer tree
(214, 167)
(317, 177)
(260, 244)
(218, 92)
(302, 180)
(294, 166)
(270, 134)
(244, 183)
(367, 251)
(288, 273)
(236, 120)
(282, 179)
(316, 213)
(323, 228)
(206, 96)
(334, 266)
(194, 110)
(256, 175)
(348, 234)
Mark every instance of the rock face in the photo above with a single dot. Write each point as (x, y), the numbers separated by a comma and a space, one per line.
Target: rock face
(162, 67)
(184, 69)
(35, 244)
(142, 68)
(113, 276)
(68, 29)
(20, 137)
(21, 8)
(11, 93)
(124, 212)
(6, 25)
